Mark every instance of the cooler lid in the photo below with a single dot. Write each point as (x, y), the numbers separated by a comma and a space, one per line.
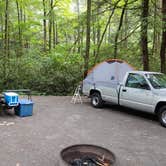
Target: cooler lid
(10, 94)
(25, 101)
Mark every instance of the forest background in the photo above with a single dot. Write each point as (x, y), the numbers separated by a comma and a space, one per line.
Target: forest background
(48, 45)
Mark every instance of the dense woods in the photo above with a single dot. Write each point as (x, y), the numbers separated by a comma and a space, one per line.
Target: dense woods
(48, 45)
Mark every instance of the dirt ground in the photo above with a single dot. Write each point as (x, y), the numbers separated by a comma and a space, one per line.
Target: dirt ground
(137, 139)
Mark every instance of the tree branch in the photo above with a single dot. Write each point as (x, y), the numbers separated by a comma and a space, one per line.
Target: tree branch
(103, 34)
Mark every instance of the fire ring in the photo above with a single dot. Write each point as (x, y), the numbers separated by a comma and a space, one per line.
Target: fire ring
(87, 155)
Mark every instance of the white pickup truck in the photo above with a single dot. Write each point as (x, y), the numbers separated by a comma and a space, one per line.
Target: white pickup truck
(144, 91)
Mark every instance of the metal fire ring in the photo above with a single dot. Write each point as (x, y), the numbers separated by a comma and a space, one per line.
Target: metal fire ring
(77, 151)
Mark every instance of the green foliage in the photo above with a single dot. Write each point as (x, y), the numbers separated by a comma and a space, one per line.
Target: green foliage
(58, 70)
(56, 73)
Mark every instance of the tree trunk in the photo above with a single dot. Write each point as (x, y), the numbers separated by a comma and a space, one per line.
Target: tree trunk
(98, 24)
(119, 28)
(126, 29)
(105, 30)
(50, 25)
(78, 29)
(94, 36)
(109, 34)
(163, 42)
(154, 46)
(88, 30)
(159, 32)
(6, 44)
(144, 35)
(19, 20)
(26, 40)
(54, 33)
(44, 26)
(82, 40)
(2, 35)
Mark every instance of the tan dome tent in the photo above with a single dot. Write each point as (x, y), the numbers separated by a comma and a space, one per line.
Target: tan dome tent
(109, 73)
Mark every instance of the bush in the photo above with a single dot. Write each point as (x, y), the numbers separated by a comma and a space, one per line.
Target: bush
(52, 74)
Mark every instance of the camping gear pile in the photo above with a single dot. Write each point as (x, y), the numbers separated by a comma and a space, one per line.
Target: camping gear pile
(22, 107)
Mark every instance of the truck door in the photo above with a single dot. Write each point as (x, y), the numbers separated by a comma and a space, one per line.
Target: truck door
(136, 93)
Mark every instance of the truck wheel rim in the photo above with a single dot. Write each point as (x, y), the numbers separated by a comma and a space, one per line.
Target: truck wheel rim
(95, 100)
(164, 116)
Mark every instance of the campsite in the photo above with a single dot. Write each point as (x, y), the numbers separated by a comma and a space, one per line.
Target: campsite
(83, 82)
(135, 138)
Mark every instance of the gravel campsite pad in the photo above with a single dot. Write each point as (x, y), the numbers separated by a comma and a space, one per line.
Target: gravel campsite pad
(137, 139)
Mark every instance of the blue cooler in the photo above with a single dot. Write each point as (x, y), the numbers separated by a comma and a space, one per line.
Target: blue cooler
(11, 99)
(25, 108)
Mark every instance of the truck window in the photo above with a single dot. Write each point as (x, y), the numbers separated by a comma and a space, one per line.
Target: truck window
(136, 81)
(158, 81)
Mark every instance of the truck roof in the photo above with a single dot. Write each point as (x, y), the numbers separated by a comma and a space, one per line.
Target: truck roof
(144, 72)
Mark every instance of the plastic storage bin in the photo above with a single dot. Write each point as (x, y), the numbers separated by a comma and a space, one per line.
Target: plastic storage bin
(25, 108)
(11, 98)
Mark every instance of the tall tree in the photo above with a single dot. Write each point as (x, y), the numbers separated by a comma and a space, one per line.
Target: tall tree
(126, 28)
(20, 21)
(119, 28)
(6, 46)
(50, 24)
(105, 30)
(54, 31)
(96, 26)
(154, 46)
(144, 35)
(6, 42)
(163, 42)
(44, 25)
(88, 30)
(78, 28)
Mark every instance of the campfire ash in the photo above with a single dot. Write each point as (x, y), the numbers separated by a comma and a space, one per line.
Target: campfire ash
(90, 161)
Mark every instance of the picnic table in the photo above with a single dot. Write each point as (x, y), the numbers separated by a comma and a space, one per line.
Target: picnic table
(22, 91)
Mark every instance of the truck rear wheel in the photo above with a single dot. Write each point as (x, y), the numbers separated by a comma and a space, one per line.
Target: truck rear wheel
(96, 100)
(162, 115)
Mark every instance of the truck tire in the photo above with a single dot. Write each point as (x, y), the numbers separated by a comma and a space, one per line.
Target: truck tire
(162, 115)
(96, 100)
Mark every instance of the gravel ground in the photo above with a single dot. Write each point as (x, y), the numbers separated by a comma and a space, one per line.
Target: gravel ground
(137, 139)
